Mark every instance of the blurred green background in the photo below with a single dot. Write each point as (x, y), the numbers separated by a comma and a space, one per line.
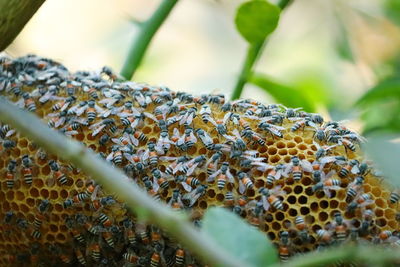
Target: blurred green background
(324, 55)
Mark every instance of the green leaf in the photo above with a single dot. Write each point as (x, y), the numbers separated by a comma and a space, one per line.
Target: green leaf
(386, 154)
(239, 238)
(283, 94)
(389, 88)
(255, 20)
(392, 9)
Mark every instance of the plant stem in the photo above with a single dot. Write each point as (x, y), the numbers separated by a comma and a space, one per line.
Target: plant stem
(147, 30)
(253, 53)
(374, 256)
(14, 14)
(114, 180)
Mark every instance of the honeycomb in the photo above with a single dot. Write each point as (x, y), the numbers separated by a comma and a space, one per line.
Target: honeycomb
(301, 180)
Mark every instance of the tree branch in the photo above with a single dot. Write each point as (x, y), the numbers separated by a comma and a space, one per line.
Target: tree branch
(114, 180)
(147, 30)
(14, 14)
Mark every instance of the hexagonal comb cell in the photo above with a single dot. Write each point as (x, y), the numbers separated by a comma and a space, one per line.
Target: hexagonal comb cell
(286, 171)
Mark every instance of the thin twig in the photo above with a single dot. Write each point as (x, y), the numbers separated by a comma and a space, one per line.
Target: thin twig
(143, 39)
(113, 180)
(14, 14)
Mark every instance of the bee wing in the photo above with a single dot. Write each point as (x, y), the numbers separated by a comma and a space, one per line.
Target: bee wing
(59, 122)
(265, 202)
(278, 175)
(165, 158)
(10, 132)
(116, 140)
(355, 169)
(187, 187)
(229, 137)
(150, 116)
(95, 191)
(210, 119)
(71, 133)
(194, 198)
(181, 140)
(191, 169)
(105, 113)
(328, 175)
(98, 130)
(65, 106)
(226, 117)
(230, 176)
(183, 118)
(211, 178)
(156, 186)
(79, 111)
(242, 188)
(134, 141)
(288, 169)
(20, 103)
(110, 156)
(193, 137)
(306, 165)
(177, 167)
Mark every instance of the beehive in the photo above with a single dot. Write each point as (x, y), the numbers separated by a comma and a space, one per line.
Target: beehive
(63, 216)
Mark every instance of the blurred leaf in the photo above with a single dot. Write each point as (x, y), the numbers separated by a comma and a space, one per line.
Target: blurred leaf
(386, 154)
(392, 9)
(239, 238)
(255, 20)
(283, 94)
(389, 88)
(382, 116)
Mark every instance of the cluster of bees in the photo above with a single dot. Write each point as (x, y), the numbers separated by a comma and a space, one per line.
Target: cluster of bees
(287, 172)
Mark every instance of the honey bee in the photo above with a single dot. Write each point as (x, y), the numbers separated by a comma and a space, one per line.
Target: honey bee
(270, 197)
(175, 202)
(223, 175)
(284, 253)
(58, 175)
(189, 167)
(10, 174)
(355, 187)
(104, 220)
(360, 201)
(159, 180)
(301, 123)
(245, 182)
(324, 235)
(297, 167)
(326, 185)
(101, 125)
(274, 130)
(188, 183)
(95, 252)
(275, 173)
(191, 198)
(79, 255)
(27, 169)
(130, 257)
(63, 104)
(394, 197)
(176, 165)
(205, 139)
(212, 162)
(27, 102)
(6, 131)
(220, 125)
(163, 143)
(322, 151)
(179, 257)
(351, 166)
